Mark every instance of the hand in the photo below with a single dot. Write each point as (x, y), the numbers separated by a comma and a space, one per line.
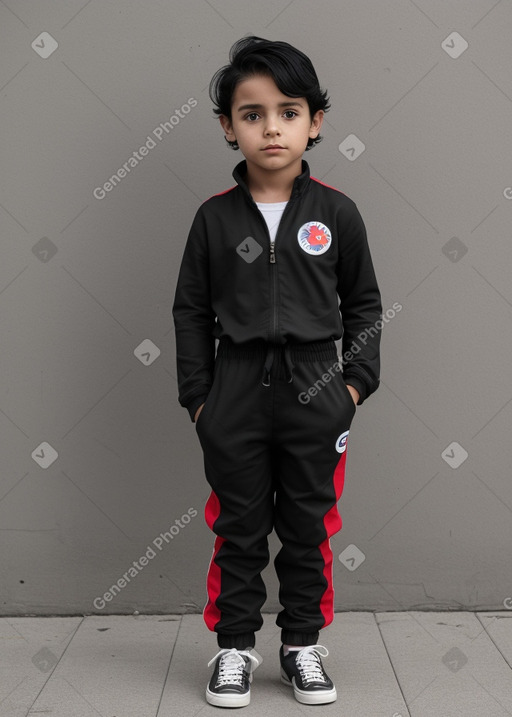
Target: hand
(354, 393)
(198, 412)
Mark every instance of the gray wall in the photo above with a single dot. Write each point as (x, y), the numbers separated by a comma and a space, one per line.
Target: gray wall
(86, 287)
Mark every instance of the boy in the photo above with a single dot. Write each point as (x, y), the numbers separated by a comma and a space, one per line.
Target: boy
(267, 268)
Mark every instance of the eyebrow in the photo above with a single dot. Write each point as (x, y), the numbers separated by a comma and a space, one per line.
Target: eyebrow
(259, 106)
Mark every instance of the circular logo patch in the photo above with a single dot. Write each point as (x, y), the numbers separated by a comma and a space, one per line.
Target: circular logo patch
(314, 237)
(341, 442)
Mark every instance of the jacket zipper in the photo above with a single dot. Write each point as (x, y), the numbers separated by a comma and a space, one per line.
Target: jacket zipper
(272, 262)
(274, 286)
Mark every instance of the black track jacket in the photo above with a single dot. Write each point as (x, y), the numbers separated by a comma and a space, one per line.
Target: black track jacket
(234, 282)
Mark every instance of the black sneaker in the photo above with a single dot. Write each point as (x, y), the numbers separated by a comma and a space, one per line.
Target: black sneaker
(230, 683)
(303, 670)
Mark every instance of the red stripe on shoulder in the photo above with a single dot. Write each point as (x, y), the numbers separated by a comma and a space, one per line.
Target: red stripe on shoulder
(328, 185)
(221, 193)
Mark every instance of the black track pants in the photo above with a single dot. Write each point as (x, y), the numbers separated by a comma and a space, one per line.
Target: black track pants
(274, 434)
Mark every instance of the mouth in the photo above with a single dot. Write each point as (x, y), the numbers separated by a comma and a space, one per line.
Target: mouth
(272, 147)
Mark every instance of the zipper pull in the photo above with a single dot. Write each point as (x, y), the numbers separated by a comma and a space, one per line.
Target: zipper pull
(272, 253)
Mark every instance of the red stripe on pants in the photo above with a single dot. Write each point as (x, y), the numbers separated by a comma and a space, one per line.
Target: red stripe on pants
(211, 612)
(332, 523)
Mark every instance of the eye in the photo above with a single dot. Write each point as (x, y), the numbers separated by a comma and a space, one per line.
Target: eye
(290, 112)
(252, 116)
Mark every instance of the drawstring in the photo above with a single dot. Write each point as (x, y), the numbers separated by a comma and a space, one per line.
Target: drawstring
(268, 365)
(288, 363)
(269, 359)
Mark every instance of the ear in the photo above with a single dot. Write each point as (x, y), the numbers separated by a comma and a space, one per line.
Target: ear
(227, 126)
(316, 124)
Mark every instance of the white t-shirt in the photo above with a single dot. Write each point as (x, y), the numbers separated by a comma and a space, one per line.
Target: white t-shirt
(272, 211)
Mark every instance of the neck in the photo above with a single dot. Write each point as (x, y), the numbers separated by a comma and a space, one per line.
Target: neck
(272, 185)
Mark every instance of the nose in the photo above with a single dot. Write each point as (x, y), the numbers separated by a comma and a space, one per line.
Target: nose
(272, 127)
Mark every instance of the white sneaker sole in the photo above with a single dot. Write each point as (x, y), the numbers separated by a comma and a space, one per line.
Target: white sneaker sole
(227, 700)
(309, 698)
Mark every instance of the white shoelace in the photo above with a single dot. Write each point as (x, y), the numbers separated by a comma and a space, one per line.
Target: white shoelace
(232, 666)
(308, 662)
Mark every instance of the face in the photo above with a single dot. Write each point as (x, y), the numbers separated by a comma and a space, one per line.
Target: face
(272, 129)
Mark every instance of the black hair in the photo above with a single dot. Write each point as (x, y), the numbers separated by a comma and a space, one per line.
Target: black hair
(291, 70)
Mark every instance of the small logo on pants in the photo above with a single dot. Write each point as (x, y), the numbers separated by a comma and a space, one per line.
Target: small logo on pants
(341, 442)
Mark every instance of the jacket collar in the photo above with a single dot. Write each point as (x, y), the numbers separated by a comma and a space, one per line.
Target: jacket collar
(299, 184)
